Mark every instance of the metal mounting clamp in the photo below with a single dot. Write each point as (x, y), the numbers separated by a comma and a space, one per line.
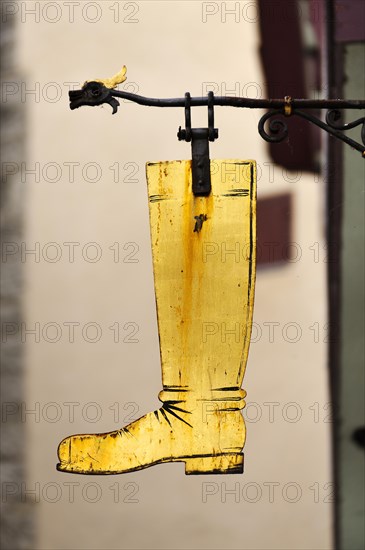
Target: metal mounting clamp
(199, 138)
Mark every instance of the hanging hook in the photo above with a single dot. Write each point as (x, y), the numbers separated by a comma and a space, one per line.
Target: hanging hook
(188, 116)
(185, 134)
(211, 131)
(199, 138)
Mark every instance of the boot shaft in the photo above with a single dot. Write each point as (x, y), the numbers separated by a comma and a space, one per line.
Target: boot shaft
(204, 273)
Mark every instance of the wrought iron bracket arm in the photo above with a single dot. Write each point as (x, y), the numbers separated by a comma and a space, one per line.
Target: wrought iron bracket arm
(94, 93)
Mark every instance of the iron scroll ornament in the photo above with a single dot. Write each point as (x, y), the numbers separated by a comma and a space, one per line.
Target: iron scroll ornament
(94, 93)
(278, 129)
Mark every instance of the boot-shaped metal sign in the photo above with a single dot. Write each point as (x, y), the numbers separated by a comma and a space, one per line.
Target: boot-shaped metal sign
(204, 264)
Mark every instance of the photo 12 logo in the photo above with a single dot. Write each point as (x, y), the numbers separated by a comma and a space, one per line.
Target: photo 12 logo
(70, 332)
(28, 11)
(48, 92)
(52, 492)
(253, 492)
(69, 252)
(68, 411)
(249, 11)
(70, 172)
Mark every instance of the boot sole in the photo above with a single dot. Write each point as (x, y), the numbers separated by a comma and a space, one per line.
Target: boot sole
(225, 463)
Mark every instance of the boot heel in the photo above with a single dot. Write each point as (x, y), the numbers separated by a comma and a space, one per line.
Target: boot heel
(230, 463)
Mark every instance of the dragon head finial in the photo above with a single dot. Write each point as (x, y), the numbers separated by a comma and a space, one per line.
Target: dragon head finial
(98, 91)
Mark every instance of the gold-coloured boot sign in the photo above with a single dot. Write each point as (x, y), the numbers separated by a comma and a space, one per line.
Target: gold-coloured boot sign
(203, 251)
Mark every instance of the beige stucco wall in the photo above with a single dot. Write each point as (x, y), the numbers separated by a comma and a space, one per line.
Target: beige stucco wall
(168, 50)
